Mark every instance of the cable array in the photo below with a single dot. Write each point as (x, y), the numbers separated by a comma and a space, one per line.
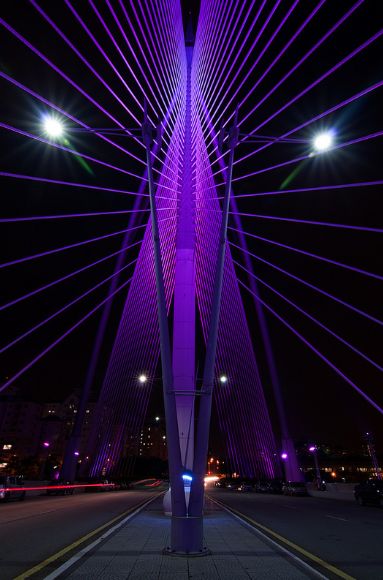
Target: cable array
(300, 241)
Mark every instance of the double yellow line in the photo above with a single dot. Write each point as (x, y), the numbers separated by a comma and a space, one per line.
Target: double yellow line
(80, 541)
(281, 539)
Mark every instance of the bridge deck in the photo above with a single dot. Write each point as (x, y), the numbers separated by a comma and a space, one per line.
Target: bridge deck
(134, 552)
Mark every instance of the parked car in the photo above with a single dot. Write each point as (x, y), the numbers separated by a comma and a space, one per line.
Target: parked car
(262, 486)
(297, 488)
(269, 486)
(57, 488)
(220, 483)
(371, 491)
(11, 487)
(246, 487)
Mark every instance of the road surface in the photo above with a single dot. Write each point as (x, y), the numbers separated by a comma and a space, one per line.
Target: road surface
(342, 533)
(37, 528)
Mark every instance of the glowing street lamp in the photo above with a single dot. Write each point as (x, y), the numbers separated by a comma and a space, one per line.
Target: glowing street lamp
(53, 127)
(284, 456)
(323, 142)
(142, 379)
(223, 379)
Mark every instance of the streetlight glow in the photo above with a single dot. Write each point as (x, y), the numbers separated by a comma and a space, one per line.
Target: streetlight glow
(53, 127)
(284, 456)
(142, 379)
(223, 378)
(323, 141)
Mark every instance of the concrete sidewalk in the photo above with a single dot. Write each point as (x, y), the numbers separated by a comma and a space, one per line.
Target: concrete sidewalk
(134, 552)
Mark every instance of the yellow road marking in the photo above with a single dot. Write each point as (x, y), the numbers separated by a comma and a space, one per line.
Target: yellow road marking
(77, 543)
(287, 542)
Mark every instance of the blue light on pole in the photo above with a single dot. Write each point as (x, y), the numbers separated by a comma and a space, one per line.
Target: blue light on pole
(187, 477)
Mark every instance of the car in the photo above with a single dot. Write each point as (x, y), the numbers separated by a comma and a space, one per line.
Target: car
(269, 486)
(57, 487)
(369, 492)
(262, 486)
(297, 488)
(246, 487)
(99, 485)
(11, 487)
(220, 483)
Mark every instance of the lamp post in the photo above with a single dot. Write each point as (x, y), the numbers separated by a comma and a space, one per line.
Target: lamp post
(314, 450)
(368, 437)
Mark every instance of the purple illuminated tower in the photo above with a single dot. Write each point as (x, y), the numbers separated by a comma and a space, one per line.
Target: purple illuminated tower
(189, 229)
(184, 290)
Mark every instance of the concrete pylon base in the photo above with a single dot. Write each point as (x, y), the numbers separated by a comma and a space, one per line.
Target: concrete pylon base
(186, 538)
(167, 502)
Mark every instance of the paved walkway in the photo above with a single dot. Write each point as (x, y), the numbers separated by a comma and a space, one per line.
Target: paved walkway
(134, 552)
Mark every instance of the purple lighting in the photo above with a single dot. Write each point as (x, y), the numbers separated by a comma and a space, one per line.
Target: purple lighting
(284, 456)
(46, 444)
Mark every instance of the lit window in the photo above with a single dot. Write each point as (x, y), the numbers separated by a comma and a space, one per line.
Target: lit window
(7, 447)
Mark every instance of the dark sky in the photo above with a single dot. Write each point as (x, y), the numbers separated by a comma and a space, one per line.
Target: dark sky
(320, 405)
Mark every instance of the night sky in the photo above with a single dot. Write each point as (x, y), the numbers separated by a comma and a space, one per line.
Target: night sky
(320, 405)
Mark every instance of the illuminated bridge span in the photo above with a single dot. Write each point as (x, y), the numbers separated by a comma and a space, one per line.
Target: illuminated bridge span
(194, 139)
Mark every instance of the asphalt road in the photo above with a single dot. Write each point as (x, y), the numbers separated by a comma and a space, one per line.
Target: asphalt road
(342, 533)
(35, 529)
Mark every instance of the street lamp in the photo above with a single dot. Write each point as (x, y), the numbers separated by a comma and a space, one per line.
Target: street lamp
(142, 379)
(323, 141)
(314, 450)
(53, 127)
(223, 379)
(284, 456)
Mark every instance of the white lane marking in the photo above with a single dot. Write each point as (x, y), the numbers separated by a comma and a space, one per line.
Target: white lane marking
(335, 518)
(69, 563)
(255, 530)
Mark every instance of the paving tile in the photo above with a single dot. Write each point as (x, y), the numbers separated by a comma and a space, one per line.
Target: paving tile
(134, 552)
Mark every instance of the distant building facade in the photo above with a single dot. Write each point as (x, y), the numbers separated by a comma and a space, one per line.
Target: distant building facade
(39, 430)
